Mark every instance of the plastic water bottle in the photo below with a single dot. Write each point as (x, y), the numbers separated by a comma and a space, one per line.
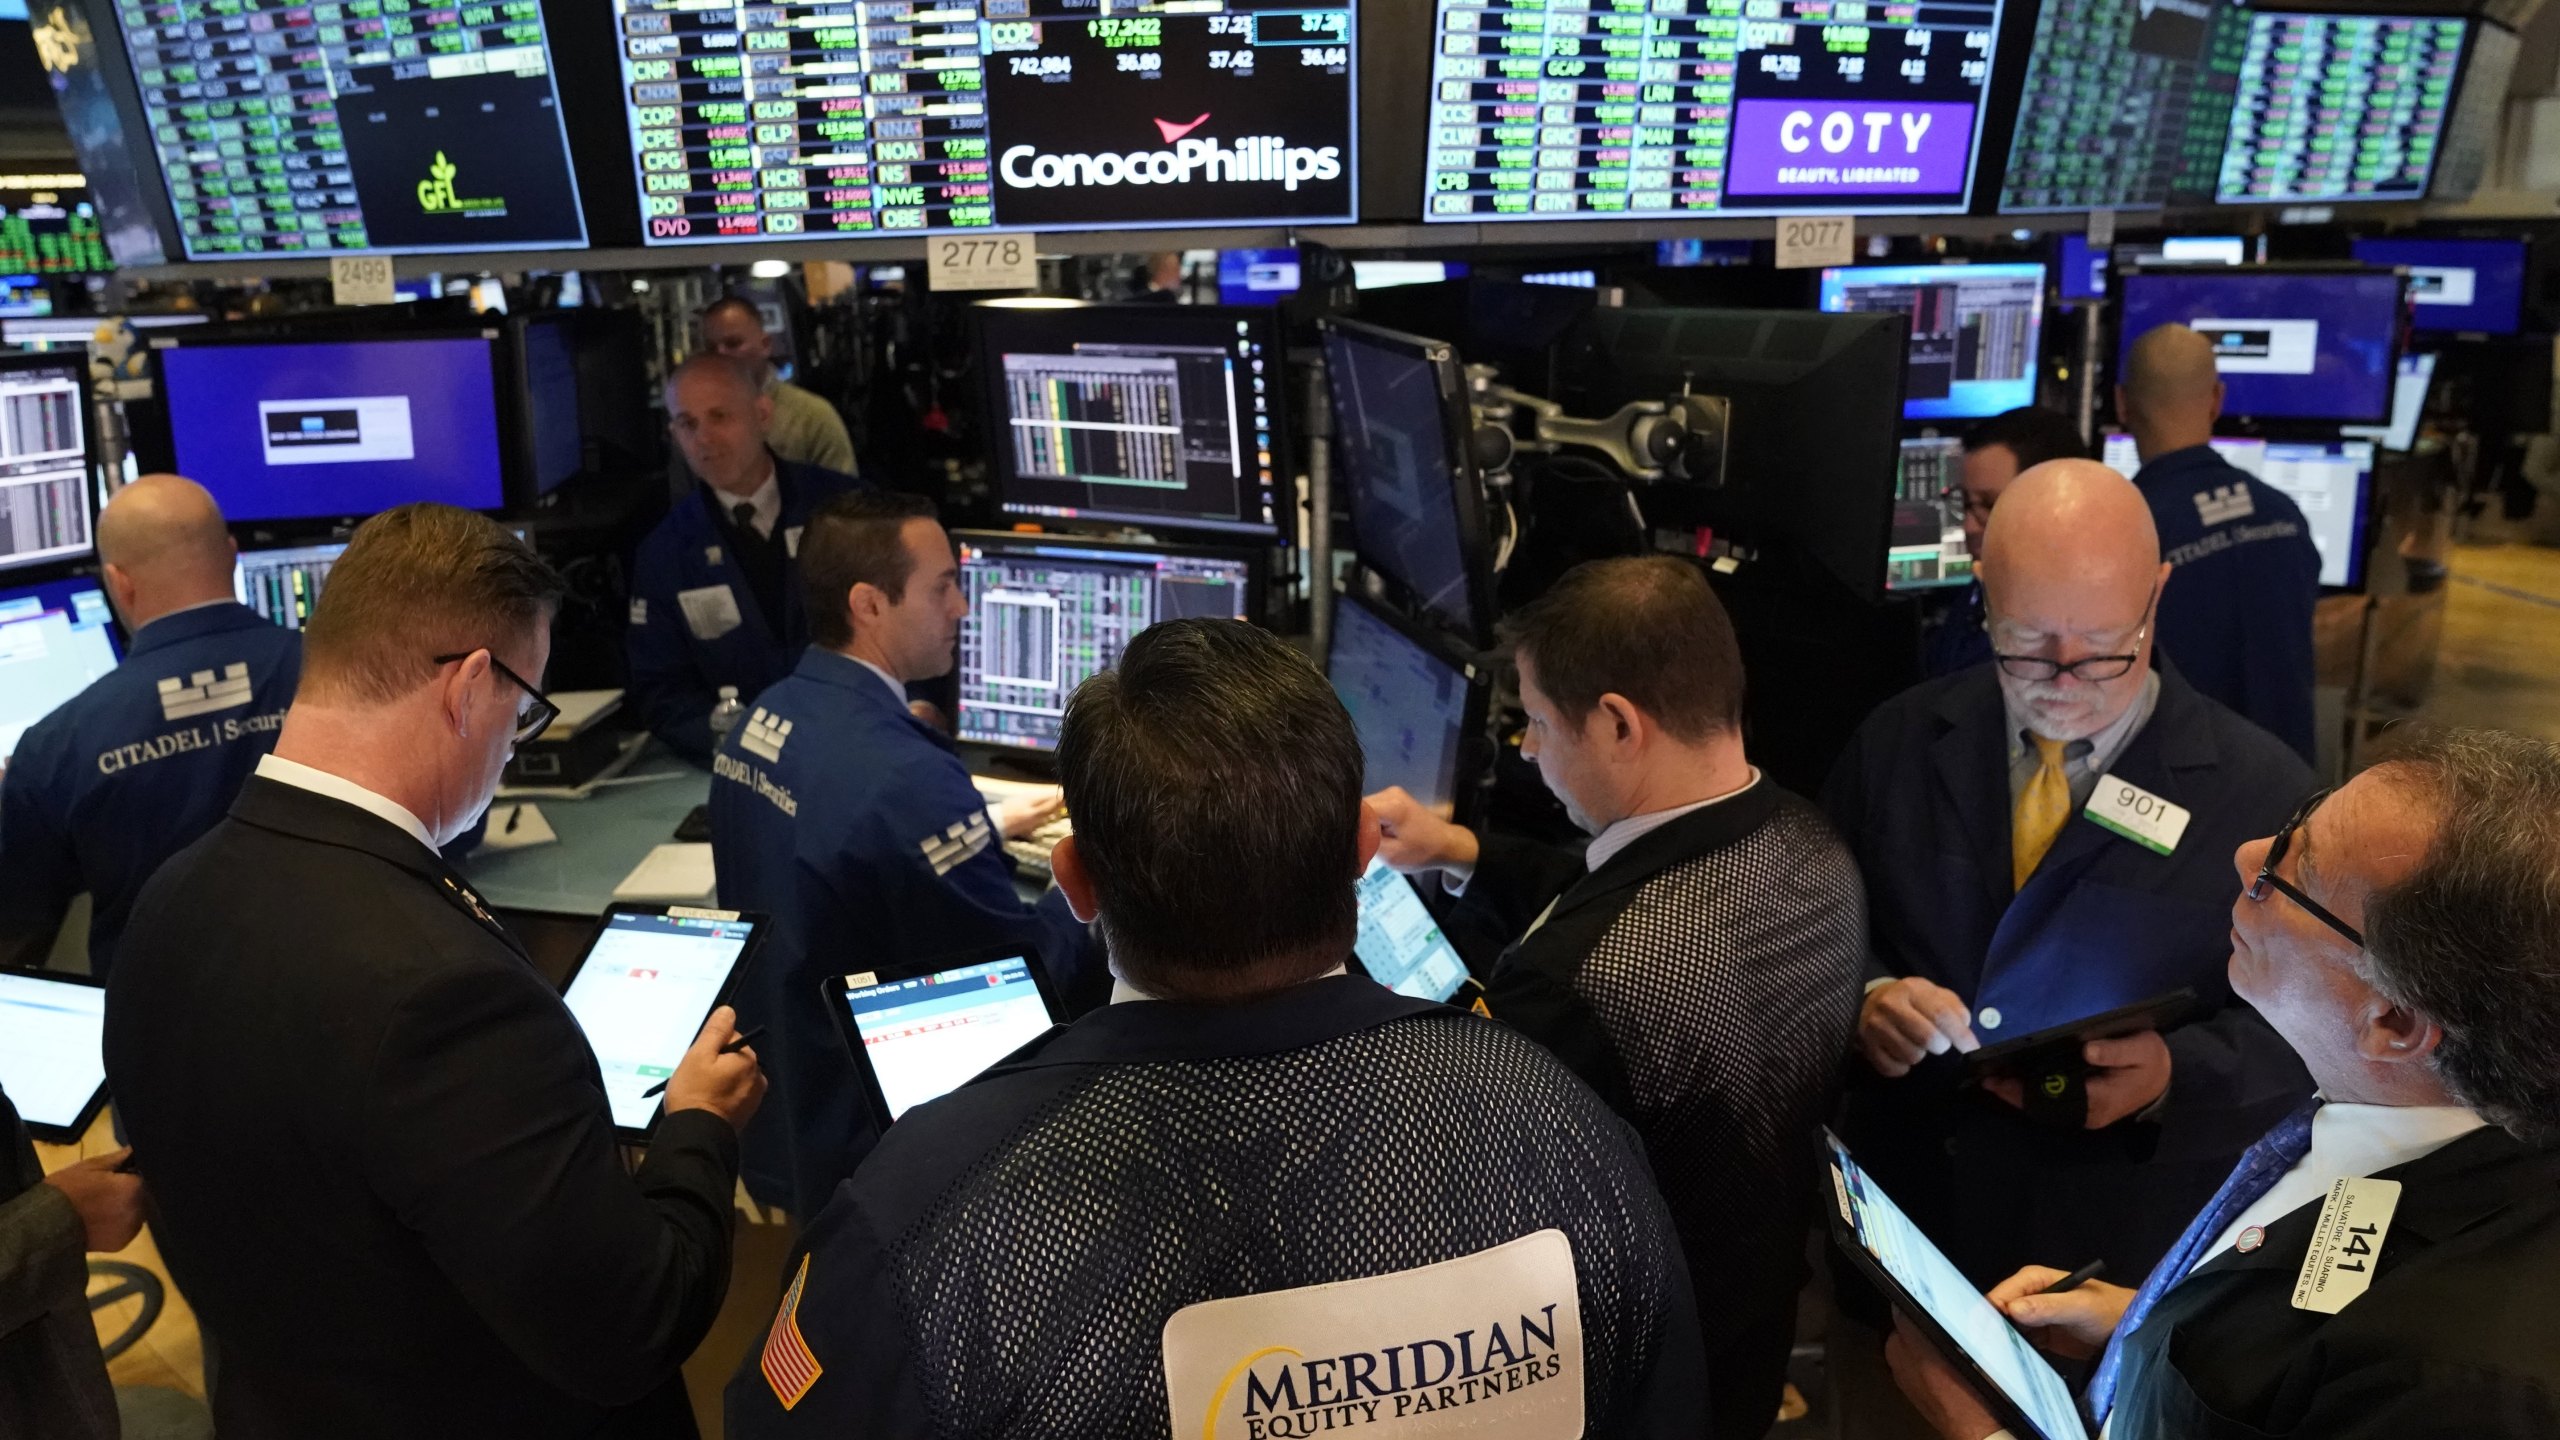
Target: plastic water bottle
(724, 715)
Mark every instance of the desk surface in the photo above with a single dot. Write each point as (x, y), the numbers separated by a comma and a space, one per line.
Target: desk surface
(601, 838)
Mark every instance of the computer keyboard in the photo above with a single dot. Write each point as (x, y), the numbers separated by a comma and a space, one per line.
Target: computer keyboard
(1031, 852)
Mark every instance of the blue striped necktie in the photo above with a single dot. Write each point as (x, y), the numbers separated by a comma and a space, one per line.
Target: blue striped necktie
(2265, 1163)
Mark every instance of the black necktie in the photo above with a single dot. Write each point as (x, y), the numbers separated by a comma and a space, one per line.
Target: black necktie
(745, 516)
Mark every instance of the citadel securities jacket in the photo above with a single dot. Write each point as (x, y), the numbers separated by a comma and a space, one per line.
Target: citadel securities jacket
(134, 768)
(1066, 1244)
(379, 1153)
(1922, 798)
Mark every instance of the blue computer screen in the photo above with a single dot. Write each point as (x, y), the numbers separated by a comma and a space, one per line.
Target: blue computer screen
(1395, 455)
(2469, 285)
(301, 430)
(1974, 331)
(2084, 269)
(1408, 704)
(2291, 345)
(551, 380)
(1256, 277)
(56, 636)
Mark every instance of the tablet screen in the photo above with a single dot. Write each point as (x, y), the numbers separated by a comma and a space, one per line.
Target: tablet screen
(51, 1062)
(928, 1036)
(1399, 944)
(648, 983)
(1934, 1284)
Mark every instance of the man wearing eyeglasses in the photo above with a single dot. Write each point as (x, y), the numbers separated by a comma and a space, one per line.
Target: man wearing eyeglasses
(2043, 841)
(2404, 936)
(377, 1144)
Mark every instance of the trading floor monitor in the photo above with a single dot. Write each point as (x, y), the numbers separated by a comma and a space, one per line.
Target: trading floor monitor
(2408, 405)
(1048, 612)
(1401, 423)
(284, 584)
(45, 499)
(1928, 549)
(2474, 286)
(56, 637)
(1419, 711)
(1157, 415)
(306, 429)
(2304, 343)
(1974, 330)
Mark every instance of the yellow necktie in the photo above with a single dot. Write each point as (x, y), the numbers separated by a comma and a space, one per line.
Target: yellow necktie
(2044, 807)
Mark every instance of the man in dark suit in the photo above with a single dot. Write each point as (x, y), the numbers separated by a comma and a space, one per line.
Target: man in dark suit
(437, 1236)
(1698, 965)
(2013, 885)
(2404, 936)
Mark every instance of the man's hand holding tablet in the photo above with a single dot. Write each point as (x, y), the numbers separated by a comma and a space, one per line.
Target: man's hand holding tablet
(109, 1204)
(729, 1084)
(2074, 1324)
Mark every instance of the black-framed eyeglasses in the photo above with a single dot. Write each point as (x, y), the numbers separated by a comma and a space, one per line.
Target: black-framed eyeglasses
(2268, 879)
(2087, 667)
(534, 718)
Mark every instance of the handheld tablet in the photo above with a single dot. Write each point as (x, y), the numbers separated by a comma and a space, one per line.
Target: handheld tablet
(2058, 1046)
(919, 1034)
(2008, 1374)
(649, 978)
(1399, 944)
(52, 1061)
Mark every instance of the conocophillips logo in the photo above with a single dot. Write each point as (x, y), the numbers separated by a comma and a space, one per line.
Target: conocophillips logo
(436, 194)
(1258, 159)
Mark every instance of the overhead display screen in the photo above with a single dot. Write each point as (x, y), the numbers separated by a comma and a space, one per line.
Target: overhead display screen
(2340, 107)
(375, 125)
(766, 122)
(2125, 106)
(1601, 109)
(2289, 345)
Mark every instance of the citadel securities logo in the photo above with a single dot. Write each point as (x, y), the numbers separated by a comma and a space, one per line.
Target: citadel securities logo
(1849, 147)
(1261, 159)
(1489, 1345)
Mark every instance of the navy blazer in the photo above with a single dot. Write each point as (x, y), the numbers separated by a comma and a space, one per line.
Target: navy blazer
(676, 669)
(1922, 798)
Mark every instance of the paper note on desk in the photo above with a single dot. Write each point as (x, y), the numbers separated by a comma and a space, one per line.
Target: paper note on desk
(513, 827)
(996, 791)
(670, 875)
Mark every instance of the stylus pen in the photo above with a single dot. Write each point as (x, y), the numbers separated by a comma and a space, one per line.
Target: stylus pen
(2076, 1278)
(741, 1043)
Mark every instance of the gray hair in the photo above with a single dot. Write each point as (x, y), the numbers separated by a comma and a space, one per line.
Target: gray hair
(2471, 939)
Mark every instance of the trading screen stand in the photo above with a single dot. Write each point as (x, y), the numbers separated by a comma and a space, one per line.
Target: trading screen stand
(1544, 109)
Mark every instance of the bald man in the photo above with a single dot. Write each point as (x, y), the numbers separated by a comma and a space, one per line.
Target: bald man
(2236, 618)
(138, 765)
(715, 589)
(805, 427)
(2017, 879)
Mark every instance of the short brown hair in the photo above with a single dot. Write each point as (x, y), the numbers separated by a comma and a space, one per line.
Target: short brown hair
(1645, 627)
(418, 582)
(855, 539)
(1215, 781)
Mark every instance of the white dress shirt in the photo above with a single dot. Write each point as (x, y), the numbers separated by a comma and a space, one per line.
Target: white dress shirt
(1606, 845)
(2352, 1141)
(896, 686)
(766, 502)
(337, 787)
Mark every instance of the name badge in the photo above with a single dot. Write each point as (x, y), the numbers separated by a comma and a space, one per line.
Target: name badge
(710, 612)
(2353, 1222)
(2137, 814)
(791, 541)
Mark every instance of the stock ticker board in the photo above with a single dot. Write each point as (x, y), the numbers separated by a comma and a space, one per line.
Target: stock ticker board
(1595, 109)
(766, 122)
(365, 125)
(2341, 107)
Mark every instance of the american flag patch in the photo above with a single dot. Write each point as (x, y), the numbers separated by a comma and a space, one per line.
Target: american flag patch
(788, 1365)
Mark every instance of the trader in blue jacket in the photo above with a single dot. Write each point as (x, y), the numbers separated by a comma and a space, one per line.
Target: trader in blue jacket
(2236, 617)
(134, 768)
(715, 595)
(2045, 839)
(855, 825)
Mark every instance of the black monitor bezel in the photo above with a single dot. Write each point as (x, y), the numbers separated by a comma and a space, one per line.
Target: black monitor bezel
(1265, 318)
(1475, 747)
(514, 446)
(1474, 536)
(77, 362)
(1257, 570)
(833, 988)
